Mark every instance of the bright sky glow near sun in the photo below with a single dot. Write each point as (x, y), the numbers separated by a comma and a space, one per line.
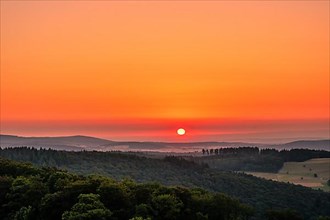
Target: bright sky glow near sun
(223, 70)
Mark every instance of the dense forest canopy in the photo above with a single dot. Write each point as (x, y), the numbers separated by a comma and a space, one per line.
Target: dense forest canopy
(263, 196)
(48, 193)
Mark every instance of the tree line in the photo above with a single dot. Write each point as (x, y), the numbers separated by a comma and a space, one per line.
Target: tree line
(296, 155)
(231, 151)
(254, 159)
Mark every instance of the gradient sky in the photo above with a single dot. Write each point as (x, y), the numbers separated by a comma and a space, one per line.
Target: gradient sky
(224, 70)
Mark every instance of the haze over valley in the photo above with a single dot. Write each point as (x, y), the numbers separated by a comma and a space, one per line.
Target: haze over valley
(78, 143)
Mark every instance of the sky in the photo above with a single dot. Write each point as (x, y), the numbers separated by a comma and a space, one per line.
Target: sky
(138, 70)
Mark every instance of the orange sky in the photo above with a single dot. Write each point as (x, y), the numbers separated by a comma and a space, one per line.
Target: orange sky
(68, 67)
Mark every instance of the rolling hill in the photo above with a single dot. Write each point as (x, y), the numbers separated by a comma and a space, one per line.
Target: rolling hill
(78, 143)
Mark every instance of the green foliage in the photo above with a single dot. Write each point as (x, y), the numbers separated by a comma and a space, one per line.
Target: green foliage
(53, 205)
(58, 180)
(242, 162)
(39, 196)
(24, 213)
(116, 196)
(88, 207)
(25, 191)
(125, 197)
(143, 210)
(5, 184)
(167, 207)
(16, 169)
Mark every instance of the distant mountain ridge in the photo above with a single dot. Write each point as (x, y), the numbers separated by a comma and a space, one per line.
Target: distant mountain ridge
(306, 143)
(79, 142)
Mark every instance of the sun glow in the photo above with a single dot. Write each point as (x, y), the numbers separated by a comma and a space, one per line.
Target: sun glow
(181, 131)
(143, 69)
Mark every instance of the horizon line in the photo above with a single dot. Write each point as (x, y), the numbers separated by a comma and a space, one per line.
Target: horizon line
(169, 142)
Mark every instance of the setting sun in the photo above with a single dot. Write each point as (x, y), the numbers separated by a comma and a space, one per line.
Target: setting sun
(176, 109)
(253, 71)
(181, 131)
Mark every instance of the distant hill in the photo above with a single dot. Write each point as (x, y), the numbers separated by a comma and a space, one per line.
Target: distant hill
(78, 143)
(314, 144)
(75, 143)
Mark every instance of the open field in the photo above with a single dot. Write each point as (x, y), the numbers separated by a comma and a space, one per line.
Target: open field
(311, 173)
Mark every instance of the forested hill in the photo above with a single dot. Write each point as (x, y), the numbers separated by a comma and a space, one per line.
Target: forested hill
(31, 193)
(262, 195)
(254, 159)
